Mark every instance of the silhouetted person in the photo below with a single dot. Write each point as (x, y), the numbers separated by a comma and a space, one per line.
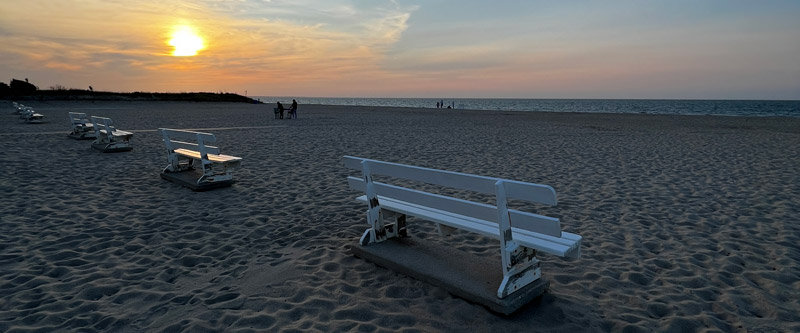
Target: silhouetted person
(437, 105)
(293, 110)
(280, 109)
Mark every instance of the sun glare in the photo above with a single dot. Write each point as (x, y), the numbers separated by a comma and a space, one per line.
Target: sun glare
(186, 42)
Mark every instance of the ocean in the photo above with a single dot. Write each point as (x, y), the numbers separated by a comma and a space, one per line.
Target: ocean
(764, 108)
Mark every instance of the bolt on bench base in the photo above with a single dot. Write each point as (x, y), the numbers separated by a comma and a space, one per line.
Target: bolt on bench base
(465, 275)
(189, 179)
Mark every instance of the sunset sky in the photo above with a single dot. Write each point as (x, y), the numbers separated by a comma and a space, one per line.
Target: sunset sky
(709, 49)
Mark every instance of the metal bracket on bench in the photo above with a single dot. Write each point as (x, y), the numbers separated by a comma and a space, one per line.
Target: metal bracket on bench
(378, 231)
(520, 266)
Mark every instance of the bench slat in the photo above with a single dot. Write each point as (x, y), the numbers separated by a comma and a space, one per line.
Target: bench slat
(78, 118)
(188, 135)
(566, 246)
(211, 157)
(193, 146)
(523, 220)
(115, 133)
(481, 184)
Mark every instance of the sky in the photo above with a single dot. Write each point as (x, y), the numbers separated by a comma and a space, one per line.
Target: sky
(680, 49)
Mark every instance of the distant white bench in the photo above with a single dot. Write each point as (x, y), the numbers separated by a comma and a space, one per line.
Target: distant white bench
(19, 108)
(30, 116)
(82, 127)
(520, 233)
(195, 163)
(108, 138)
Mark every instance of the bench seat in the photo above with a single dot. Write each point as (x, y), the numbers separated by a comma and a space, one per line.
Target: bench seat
(566, 246)
(115, 132)
(216, 158)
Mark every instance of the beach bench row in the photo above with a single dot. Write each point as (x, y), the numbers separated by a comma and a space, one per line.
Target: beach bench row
(194, 162)
(27, 114)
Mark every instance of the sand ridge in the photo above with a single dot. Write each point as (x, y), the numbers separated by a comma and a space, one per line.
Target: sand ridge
(689, 222)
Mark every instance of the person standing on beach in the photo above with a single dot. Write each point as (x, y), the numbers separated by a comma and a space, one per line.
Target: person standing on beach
(293, 110)
(280, 109)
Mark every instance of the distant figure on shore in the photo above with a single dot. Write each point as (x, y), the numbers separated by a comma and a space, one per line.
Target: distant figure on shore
(280, 109)
(437, 105)
(293, 110)
(441, 103)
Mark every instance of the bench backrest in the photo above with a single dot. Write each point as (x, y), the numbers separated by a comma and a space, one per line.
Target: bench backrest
(78, 119)
(196, 141)
(103, 124)
(487, 185)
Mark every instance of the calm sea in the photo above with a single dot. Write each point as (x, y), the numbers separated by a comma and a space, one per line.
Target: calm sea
(647, 106)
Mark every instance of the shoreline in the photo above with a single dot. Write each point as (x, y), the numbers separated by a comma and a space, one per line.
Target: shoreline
(781, 108)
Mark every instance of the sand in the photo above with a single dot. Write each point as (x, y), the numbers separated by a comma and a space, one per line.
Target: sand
(690, 223)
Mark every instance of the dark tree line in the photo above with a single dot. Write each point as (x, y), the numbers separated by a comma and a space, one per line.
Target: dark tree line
(17, 87)
(24, 90)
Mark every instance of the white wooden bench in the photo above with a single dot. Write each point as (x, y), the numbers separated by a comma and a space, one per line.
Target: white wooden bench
(30, 116)
(17, 107)
(82, 127)
(108, 138)
(520, 233)
(188, 151)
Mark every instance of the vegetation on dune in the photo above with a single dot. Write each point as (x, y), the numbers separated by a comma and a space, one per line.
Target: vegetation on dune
(23, 90)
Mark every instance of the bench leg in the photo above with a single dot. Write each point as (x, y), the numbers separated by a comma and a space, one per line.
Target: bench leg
(383, 231)
(396, 228)
(212, 173)
(520, 266)
(377, 231)
(524, 270)
(402, 231)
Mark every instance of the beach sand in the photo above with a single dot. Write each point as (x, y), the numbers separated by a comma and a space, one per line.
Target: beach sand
(689, 223)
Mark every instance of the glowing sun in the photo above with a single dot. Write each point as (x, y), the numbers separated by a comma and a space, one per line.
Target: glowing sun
(186, 42)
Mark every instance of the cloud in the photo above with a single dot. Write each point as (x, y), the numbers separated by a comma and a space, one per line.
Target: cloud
(266, 43)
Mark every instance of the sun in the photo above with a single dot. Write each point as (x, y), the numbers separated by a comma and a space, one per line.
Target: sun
(186, 42)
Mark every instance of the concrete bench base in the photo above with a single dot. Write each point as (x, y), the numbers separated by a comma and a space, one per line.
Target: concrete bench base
(82, 136)
(189, 179)
(465, 275)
